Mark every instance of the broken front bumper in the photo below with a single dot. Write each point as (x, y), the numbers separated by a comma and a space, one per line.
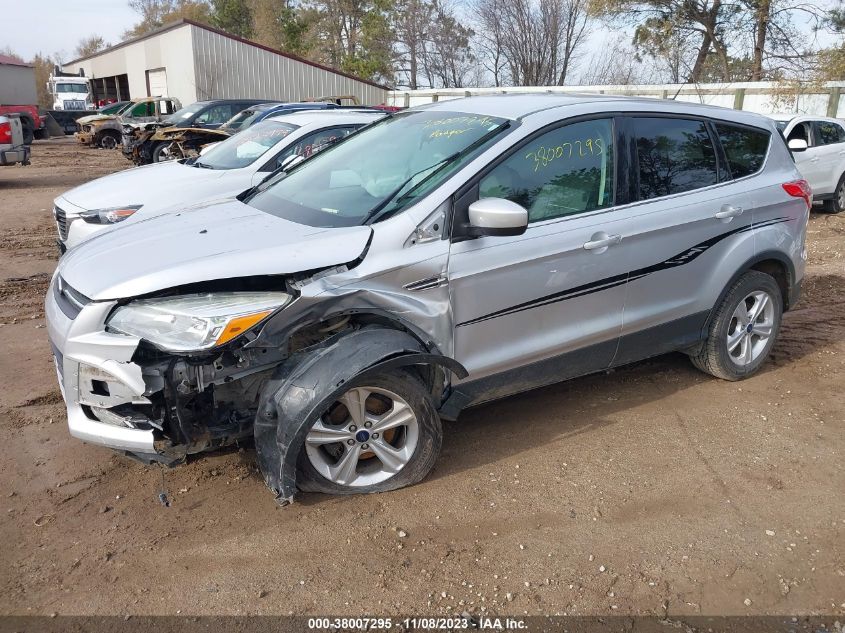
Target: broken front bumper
(86, 138)
(90, 385)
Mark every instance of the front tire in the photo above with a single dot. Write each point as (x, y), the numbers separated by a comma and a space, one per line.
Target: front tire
(163, 152)
(837, 204)
(383, 433)
(109, 140)
(743, 329)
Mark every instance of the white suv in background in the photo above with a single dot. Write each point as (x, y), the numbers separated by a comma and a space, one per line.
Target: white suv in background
(818, 145)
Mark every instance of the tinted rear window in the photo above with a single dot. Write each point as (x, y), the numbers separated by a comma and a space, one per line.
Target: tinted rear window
(745, 148)
(675, 155)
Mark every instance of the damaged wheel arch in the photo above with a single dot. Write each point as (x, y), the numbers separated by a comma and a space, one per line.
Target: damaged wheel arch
(303, 386)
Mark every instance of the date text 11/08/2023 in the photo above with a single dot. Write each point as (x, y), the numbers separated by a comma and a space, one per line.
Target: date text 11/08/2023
(418, 623)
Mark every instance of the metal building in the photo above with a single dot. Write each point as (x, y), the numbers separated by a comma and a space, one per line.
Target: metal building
(195, 62)
(17, 82)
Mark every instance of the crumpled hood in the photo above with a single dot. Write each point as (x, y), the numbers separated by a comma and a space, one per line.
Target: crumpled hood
(142, 185)
(95, 117)
(221, 240)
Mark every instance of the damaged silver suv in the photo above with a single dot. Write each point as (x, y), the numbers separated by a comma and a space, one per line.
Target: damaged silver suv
(443, 257)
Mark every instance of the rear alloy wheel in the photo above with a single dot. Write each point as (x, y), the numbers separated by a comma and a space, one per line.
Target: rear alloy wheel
(744, 328)
(379, 435)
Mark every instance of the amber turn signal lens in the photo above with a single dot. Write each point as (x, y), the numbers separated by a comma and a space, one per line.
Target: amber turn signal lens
(239, 325)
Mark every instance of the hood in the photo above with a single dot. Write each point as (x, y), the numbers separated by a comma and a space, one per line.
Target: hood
(221, 240)
(150, 184)
(95, 117)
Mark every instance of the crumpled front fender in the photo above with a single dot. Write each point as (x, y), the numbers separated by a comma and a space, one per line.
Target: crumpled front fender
(295, 395)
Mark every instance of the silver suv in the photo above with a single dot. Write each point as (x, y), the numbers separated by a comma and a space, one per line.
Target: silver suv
(443, 257)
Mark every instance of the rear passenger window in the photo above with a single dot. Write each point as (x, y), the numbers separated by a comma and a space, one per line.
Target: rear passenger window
(829, 133)
(568, 170)
(675, 155)
(745, 148)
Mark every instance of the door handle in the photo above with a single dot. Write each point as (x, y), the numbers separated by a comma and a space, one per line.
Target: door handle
(729, 211)
(601, 240)
(814, 159)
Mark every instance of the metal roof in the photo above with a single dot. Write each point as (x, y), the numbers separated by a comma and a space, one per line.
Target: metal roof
(8, 60)
(199, 25)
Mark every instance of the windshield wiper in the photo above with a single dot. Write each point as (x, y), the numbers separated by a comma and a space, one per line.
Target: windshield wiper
(379, 211)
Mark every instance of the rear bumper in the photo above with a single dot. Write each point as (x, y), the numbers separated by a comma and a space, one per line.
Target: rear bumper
(14, 156)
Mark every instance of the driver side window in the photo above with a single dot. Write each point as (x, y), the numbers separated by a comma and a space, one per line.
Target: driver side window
(565, 171)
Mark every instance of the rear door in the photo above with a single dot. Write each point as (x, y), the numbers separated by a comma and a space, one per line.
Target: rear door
(546, 305)
(809, 162)
(690, 224)
(830, 149)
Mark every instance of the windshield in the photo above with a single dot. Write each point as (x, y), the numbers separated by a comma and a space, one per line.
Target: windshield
(245, 147)
(186, 113)
(81, 88)
(243, 119)
(379, 171)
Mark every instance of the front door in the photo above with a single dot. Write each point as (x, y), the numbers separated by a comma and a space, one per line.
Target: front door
(546, 305)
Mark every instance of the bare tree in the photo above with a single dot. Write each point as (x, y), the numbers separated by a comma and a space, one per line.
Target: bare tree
(90, 45)
(538, 40)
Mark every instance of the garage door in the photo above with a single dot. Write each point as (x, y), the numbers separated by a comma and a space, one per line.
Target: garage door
(157, 82)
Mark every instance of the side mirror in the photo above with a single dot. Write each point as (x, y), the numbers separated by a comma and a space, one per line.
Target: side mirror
(291, 161)
(496, 216)
(797, 145)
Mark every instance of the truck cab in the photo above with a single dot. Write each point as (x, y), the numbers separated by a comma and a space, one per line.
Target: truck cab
(70, 93)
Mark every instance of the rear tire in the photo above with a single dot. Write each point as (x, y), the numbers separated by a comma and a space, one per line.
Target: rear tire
(389, 458)
(28, 132)
(743, 328)
(837, 203)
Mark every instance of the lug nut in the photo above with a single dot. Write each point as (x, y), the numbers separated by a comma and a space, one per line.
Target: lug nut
(352, 428)
(368, 424)
(375, 436)
(365, 446)
(350, 442)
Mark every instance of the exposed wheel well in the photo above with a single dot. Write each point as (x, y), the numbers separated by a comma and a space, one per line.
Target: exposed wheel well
(780, 273)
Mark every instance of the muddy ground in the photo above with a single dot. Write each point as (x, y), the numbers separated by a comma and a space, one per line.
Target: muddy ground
(653, 489)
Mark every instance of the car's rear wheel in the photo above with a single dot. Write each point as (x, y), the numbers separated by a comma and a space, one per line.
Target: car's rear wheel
(28, 131)
(381, 434)
(743, 329)
(837, 203)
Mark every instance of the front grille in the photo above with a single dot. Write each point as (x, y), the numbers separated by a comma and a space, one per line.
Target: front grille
(74, 105)
(61, 222)
(70, 301)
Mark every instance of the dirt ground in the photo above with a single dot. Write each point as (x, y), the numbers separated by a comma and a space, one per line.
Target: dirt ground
(653, 489)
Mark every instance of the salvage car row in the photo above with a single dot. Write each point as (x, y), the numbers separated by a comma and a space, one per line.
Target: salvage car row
(332, 284)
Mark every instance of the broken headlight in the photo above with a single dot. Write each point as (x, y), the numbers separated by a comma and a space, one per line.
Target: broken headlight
(188, 323)
(111, 215)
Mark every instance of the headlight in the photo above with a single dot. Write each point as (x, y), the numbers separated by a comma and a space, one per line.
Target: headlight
(189, 323)
(111, 215)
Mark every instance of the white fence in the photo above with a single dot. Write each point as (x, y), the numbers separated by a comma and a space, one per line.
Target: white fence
(764, 97)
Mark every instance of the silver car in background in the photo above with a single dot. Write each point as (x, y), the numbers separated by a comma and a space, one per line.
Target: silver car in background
(226, 169)
(443, 257)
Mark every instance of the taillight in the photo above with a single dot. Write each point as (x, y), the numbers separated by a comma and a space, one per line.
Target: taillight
(5, 132)
(800, 189)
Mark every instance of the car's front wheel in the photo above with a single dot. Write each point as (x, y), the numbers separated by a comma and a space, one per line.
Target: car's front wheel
(743, 328)
(381, 434)
(837, 203)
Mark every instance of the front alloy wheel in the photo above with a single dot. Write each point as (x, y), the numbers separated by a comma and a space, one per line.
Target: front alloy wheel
(379, 435)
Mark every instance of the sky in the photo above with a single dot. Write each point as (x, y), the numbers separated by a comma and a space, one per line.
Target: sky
(57, 26)
(51, 26)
